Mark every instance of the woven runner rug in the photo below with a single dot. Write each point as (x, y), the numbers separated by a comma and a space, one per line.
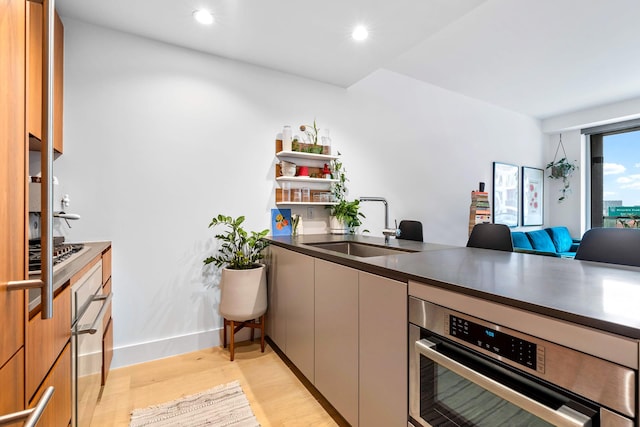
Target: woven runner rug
(224, 405)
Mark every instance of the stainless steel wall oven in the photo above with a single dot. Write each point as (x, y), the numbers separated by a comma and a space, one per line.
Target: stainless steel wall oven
(466, 371)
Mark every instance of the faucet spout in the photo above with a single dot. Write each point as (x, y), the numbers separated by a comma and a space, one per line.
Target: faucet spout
(387, 231)
(386, 207)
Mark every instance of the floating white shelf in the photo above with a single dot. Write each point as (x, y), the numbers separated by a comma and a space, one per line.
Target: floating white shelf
(305, 179)
(307, 203)
(307, 156)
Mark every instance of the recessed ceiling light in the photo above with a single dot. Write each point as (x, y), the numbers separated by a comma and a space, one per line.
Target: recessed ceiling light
(203, 16)
(360, 33)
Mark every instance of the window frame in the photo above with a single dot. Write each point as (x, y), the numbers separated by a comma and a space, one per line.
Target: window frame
(595, 144)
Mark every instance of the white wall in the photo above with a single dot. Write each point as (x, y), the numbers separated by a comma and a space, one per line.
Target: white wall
(573, 211)
(569, 212)
(159, 139)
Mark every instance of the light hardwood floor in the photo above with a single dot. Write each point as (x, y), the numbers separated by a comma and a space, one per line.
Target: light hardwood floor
(277, 397)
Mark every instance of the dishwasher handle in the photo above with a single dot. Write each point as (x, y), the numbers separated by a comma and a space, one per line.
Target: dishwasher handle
(563, 417)
(93, 328)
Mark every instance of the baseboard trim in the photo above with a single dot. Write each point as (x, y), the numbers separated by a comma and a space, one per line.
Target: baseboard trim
(171, 346)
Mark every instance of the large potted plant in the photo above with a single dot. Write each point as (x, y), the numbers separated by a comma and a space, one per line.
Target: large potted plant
(345, 215)
(243, 287)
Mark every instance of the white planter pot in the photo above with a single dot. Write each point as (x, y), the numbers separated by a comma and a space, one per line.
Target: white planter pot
(243, 294)
(337, 226)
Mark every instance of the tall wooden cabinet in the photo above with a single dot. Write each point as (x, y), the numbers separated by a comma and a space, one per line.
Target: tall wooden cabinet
(34, 77)
(12, 206)
(21, 387)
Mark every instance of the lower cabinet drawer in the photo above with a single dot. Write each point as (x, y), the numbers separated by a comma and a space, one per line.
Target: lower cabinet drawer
(12, 386)
(46, 340)
(58, 411)
(106, 290)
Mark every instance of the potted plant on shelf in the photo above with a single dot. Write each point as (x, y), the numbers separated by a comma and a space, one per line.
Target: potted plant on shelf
(312, 133)
(345, 215)
(562, 169)
(243, 286)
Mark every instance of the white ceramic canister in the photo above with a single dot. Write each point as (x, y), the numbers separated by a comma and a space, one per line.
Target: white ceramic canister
(287, 136)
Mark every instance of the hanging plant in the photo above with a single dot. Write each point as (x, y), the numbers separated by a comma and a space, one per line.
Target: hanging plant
(562, 169)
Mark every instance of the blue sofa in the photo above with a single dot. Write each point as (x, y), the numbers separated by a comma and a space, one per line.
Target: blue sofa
(552, 241)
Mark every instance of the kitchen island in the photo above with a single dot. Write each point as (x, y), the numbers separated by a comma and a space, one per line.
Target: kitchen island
(342, 319)
(597, 295)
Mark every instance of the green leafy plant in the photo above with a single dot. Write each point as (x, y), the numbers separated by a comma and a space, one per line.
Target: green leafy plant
(312, 132)
(562, 169)
(349, 213)
(344, 210)
(238, 250)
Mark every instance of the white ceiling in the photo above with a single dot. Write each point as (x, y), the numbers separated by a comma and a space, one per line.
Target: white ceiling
(537, 57)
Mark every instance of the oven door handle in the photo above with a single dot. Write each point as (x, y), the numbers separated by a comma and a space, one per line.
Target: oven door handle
(93, 329)
(564, 416)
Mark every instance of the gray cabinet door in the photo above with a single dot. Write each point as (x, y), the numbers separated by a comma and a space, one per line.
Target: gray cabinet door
(276, 323)
(336, 337)
(290, 319)
(299, 303)
(383, 397)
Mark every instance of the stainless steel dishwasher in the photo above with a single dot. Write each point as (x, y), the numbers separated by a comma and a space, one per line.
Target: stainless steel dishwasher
(88, 307)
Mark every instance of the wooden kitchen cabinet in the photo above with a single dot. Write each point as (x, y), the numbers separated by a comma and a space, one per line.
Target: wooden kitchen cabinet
(336, 337)
(12, 385)
(35, 73)
(290, 319)
(46, 339)
(107, 338)
(58, 411)
(383, 397)
(13, 152)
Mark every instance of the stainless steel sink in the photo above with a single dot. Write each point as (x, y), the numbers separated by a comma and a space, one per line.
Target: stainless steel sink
(359, 249)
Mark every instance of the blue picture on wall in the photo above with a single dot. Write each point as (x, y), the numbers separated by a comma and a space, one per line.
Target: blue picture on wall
(281, 222)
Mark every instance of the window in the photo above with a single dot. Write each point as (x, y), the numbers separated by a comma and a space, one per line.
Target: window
(615, 175)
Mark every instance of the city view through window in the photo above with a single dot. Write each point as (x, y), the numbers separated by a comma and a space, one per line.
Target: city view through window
(621, 180)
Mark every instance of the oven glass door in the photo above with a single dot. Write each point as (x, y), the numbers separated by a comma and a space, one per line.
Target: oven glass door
(453, 387)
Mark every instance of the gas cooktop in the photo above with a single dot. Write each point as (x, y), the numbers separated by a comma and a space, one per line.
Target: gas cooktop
(61, 253)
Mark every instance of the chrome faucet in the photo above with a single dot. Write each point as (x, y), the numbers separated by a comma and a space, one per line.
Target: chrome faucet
(386, 231)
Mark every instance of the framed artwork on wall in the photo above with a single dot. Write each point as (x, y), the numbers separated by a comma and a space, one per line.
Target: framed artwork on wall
(506, 194)
(532, 196)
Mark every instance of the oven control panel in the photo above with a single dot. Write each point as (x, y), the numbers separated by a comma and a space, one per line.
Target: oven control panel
(508, 346)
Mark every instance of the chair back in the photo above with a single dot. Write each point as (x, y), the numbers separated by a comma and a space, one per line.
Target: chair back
(410, 230)
(491, 236)
(611, 245)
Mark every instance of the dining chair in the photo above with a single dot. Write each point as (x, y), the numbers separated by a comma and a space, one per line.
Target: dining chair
(410, 230)
(491, 236)
(611, 245)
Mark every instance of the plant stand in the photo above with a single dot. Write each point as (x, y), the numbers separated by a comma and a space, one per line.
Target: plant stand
(236, 326)
(243, 299)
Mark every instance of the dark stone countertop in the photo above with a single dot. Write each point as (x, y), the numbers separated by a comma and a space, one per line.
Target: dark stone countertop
(598, 295)
(67, 270)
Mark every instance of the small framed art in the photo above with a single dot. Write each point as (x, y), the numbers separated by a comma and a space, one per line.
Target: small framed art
(506, 192)
(532, 196)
